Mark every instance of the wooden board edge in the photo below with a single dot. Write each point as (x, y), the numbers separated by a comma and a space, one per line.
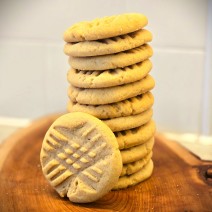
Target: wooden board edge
(12, 140)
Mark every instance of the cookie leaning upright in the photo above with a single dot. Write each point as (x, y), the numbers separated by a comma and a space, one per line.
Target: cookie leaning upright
(80, 157)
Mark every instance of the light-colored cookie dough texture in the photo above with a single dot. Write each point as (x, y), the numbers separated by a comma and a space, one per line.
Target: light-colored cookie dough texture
(132, 106)
(138, 152)
(136, 136)
(105, 27)
(80, 157)
(140, 176)
(109, 45)
(129, 122)
(109, 78)
(95, 96)
(112, 61)
(131, 168)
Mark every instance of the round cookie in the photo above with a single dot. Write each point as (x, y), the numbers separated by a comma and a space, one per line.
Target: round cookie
(136, 136)
(140, 176)
(109, 78)
(131, 168)
(108, 45)
(101, 96)
(80, 157)
(132, 106)
(106, 27)
(129, 122)
(112, 61)
(138, 152)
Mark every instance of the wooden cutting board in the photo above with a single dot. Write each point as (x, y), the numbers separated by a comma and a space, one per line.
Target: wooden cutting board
(179, 183)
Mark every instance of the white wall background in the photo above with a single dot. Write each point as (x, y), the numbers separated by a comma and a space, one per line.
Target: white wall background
(33, 66)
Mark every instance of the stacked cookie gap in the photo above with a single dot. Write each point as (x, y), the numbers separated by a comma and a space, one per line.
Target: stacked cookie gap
(110, 79)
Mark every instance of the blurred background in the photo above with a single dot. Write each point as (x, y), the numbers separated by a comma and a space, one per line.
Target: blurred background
(33, 66)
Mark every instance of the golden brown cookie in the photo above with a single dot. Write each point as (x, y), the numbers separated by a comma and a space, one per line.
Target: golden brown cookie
(112, 61)
(140, 176)
(129, 122)
(109, 78)
(105, 27)
(136, 136)
(128, 107)
(137, 152)
(131, 168)
(101, 96)
(108, 45)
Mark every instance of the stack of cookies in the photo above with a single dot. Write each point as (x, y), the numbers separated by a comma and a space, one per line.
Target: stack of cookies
(109, 79)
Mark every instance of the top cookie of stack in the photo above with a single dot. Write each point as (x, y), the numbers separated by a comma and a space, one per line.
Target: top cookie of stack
(106, 36)
(109, 78)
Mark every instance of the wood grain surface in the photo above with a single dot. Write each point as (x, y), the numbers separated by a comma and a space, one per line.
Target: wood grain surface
(180, 182)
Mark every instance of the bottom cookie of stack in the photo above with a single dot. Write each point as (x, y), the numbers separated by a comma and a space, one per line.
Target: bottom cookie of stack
(136, 147)
(136, 164)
